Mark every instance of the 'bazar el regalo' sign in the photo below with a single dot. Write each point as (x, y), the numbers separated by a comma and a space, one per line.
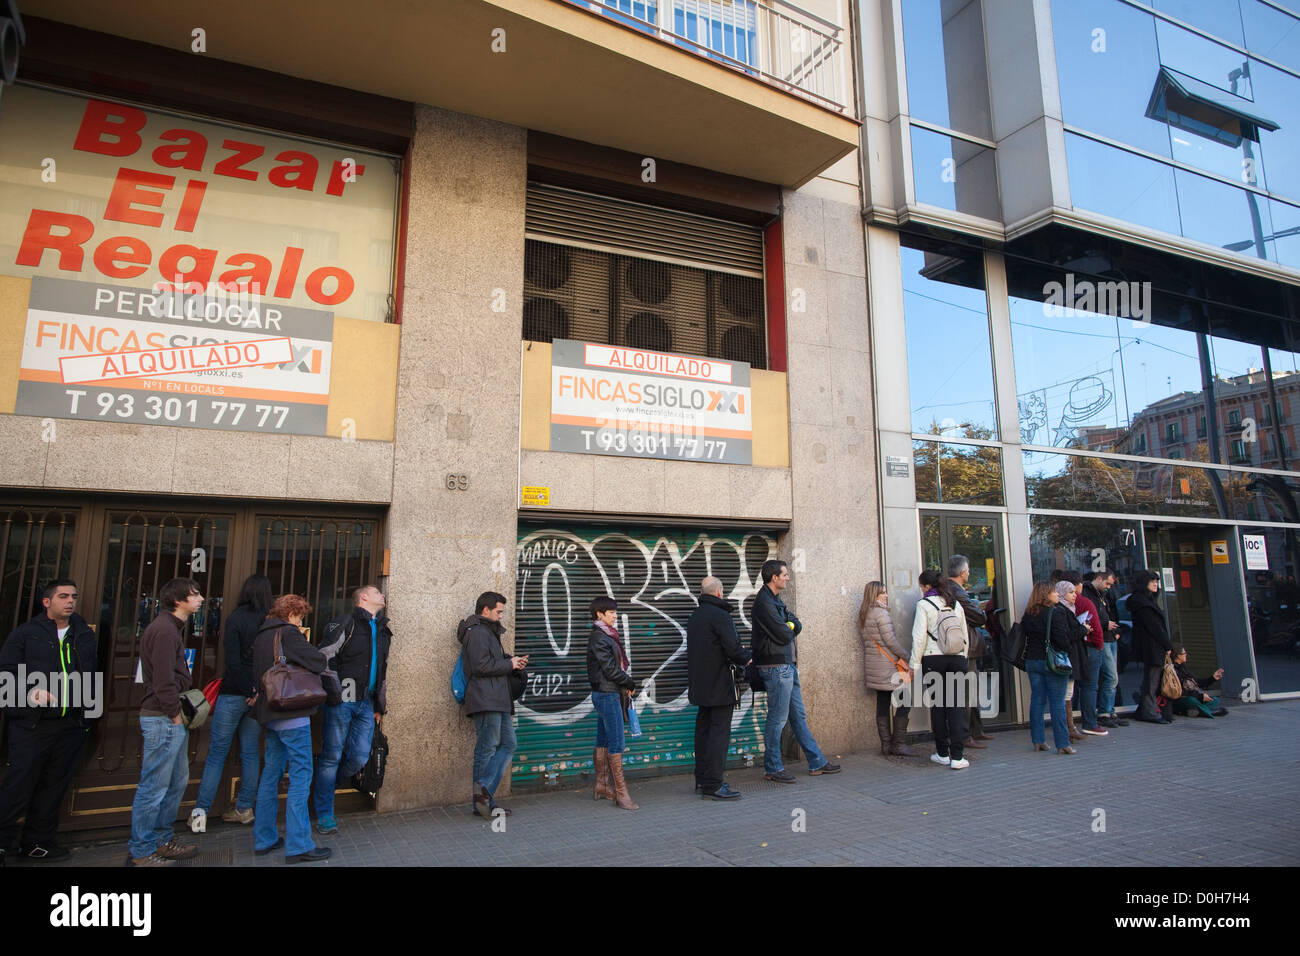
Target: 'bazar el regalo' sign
(612, 400)
(185, 272)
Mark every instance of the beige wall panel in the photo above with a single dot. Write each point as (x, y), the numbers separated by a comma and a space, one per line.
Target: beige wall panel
(535, 411)
(367, 398)
(14, 293)
(24, 450)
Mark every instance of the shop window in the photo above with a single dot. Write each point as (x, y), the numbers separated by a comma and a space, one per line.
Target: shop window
(952, 473)
(1080, 482)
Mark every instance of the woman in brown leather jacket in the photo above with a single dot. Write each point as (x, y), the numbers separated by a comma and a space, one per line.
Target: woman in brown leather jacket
(880, 652)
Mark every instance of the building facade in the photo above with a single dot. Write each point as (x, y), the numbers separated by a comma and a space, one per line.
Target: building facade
(444, 245)
(1080, 224)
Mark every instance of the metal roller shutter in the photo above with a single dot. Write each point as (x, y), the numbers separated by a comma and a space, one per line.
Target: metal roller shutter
(654, 574)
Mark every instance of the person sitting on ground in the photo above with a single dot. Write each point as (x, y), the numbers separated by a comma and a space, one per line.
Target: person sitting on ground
(1195, 699)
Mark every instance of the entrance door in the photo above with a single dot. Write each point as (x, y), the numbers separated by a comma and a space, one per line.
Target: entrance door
(978, 537)
(1201, 592)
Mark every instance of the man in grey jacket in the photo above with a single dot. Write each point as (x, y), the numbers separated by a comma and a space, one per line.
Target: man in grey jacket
(487, 696)
(959, 576)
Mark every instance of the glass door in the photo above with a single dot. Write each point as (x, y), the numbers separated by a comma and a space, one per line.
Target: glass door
(978, 538)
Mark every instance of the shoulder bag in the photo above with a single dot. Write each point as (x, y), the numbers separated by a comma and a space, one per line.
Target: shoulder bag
(1171, 688)
(1058, 662)
(290, 687)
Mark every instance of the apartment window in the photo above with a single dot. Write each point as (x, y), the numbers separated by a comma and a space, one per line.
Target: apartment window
(1239, 456)
(1200, 427)
(1234, 417)
(603, 270)
(1172, 432)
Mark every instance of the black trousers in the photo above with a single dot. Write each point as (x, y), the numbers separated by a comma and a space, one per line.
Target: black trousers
(42, 762)
(1147, 707)
(712, 738)
(947, 722)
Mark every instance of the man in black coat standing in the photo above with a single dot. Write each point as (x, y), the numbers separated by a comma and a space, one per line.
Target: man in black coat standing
(712, 643)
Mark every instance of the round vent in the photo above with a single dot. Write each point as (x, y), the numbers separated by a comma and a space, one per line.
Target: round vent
(545, 320)
(741, 344)
(648, 330)
(741, 296)
(650, 282)
(547, 266)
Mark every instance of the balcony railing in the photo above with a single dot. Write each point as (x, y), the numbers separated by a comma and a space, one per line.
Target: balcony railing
(773, 41)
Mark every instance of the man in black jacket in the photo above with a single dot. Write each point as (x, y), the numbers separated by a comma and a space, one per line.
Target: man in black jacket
(358, 644)
(711, 645)
(487, 696)
(959, 577)
(51, 667)
(774, 650)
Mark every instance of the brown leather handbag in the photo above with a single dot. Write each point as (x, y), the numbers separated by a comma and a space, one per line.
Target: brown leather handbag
(1171, 688)
(290, 687)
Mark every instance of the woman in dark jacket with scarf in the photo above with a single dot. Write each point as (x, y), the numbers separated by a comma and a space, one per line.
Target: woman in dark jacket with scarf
(288, 737)
(233, 711)
(1150, 642)
(1069, 592)
(1046, 620)
(607, 667)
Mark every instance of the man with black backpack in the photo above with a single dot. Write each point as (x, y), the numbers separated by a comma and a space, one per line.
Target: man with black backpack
(774, 650)
(357, 644)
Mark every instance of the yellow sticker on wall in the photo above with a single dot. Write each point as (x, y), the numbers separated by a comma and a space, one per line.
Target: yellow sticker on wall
(1219, 552)
(535, 496)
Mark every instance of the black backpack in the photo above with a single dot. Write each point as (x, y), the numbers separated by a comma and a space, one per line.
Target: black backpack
(371, 776)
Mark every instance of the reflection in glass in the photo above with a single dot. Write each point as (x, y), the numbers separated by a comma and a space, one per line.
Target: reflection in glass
(1197, 56)
(949, 358)
(1277, 97)
(1085, 483)
(1284, 244)
(1222, 215)
(1271, 33)
(950, 473)
(1273, 598)
(1218, 17)
(1106, 63)
(954, 174)
(1119, 184)
(947, 84)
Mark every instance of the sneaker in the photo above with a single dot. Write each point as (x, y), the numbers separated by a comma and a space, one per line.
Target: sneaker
(1118, 721)
(941, 761)
(327, 825)
(781, 776)
(311, 856)
(1096, 732)
(171, 850)
(959, 764)
(827, 767)
(153, 859)
(1104, 721)
(236, 815)
(44, 852)
(198, 821)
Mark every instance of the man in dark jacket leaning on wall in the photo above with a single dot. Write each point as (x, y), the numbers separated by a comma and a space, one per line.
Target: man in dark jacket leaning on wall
(776, 653)
(487, 696)
(711, 644)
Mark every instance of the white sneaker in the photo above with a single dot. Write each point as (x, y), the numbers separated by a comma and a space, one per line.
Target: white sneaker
(199, 821)
(961, 764)
(941, 761)
(1099, 732)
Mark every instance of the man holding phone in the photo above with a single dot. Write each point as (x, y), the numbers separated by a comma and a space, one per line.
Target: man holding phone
(487, 696)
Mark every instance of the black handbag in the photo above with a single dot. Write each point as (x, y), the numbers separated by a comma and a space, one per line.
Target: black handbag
(518, 683)
(1058, 662)
(1013, 649)
(370, 778)
(754, 678)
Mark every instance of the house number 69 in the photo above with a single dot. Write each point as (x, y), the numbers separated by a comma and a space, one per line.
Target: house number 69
(457, 482)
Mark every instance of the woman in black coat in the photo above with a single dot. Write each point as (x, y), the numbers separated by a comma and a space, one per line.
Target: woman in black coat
(611, 689)
(1150, 642)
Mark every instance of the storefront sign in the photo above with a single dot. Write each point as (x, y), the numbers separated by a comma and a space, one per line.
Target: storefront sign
(535, 496)
(1256, 550)
(609, 400)
(1219, 552)
(112, 354)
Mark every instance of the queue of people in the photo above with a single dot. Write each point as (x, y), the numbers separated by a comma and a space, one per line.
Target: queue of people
(1069, 629)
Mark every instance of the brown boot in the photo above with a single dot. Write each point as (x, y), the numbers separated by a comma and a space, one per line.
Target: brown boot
(882, 728)
(896, 745)
(620, 785)
(1069, 723)
(603, 789)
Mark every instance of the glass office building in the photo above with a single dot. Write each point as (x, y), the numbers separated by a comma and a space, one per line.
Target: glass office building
(1093, 208)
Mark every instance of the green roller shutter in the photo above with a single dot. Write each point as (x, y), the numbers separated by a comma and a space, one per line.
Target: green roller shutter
(654, 574)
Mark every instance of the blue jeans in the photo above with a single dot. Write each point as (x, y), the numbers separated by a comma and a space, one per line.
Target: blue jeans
(1109, 678)
(231, 714)
(1047, 690)
(609, 720)
(785, 703)
(346, 734)
(164, 773)
(1087, 689)
(493, 748)
(291, 748)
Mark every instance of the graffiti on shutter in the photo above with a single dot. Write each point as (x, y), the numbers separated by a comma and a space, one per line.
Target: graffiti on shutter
(655, 576)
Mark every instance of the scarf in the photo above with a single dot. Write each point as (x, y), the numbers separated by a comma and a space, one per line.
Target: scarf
(623, 662)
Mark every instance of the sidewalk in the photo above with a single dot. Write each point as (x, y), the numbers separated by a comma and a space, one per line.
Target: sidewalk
(1200, 793)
